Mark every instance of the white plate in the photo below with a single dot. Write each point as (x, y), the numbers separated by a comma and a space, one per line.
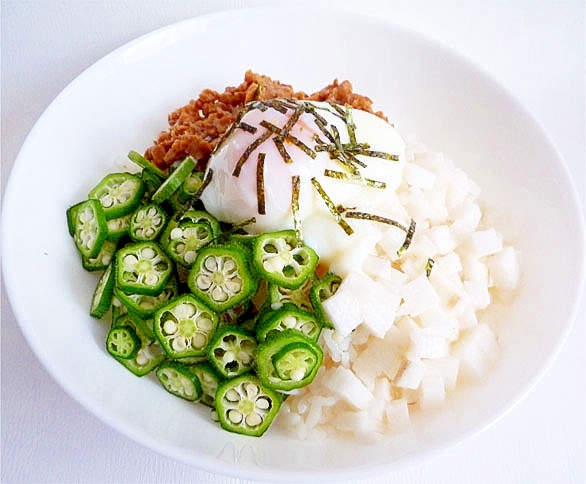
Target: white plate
(121, 103)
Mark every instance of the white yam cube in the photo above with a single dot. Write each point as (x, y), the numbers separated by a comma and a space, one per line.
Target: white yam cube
(485, 242)
(397, 415)
(426, 343)
(473, 269)
(457, 188)
(432, 393)
(441, 323)
(476, 350)
(478, 294)
(433, 161)
(380, 357)
(358, 423)
(467, 317)
(335, 344)
(379, 308)
(466, 219)
(419, 295)
(391, 241)
(442, 239)
(449, 263)
(444, 368)
(343, 308)
(437, 212)
(378, 268)
(503, 268)
(348, 387)
(411, 376)
(418, 176)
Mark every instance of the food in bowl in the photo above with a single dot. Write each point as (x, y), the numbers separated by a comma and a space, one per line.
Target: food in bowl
(290, 257)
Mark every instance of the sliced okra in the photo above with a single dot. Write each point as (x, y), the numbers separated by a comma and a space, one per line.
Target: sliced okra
(185, 239)
(322, 290)
(282, 260)
(245, 406)
(123, 342)
(118, 193)
(190, 186)
(201, 216)
(278, 295)
(146, 165)
(142, 268)
(103, 294)
(150, 353)
(147, 223)
(221, 277)
(150, 183)
(232, 350)
(288, 360)
(118, 227)
(179, 380)
(185, 327)
(102, 260)
(144, 305)
(174, 180)
(88, 223)
(209, 379)
(287, 317)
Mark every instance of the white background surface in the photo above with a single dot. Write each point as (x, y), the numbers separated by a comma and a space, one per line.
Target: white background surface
(534, 49)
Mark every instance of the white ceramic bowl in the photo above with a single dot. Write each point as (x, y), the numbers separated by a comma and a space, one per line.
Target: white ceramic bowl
(121, 103)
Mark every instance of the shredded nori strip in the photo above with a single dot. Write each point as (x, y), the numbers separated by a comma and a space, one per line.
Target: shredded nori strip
(260, 183)
(359, 179)
(282, 151)
(429, 266)
(376, 218)
(350, 125)
(295, 186)
(408, 238)
(332, 207)
(247, 127)
(248, 151)
(297, 142)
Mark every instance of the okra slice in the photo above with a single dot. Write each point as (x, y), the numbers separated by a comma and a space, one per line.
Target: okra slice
(201, 216)
(209, 380)
(174, 180)
(322, 290)
(88, 223)
(232, 350)
(102, 260)
(147, 223)
(123, 342)
(190, 186)
(288, 360)
(185, 327)
(103, 294)
(146, 165)
(118, 227)
(144, 305)
(186, 238)
(287, 317)
(278, 295)
(282, 260)
(150, 183)
(118, 193)
(245, 406)
(221, 277)
(142, 268)
(150, 353)
(179, 380)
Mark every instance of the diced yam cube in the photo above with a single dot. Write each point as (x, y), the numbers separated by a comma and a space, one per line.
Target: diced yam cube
(433, 161)
(426, 343)
(343, 308)
(449, 263)
(359, 423)
(348, 387)
(336, 344)
(437, 212)
(473, 269)
(467, 317)
(476, 350)
(419, 295)
(380, 269)
(379, 308)
(457, 188)
(418, 176)
(441, 323)
(467, 218)
(485, 242)
(442, 239)
(380, 357)
(411, 375)
(445, 368)
(397, 415)
(391, 241)
(432, 393)
(503, 269)
(478, 294)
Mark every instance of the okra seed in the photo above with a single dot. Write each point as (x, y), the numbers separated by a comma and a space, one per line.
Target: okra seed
(232, 396)
(235, 416)
(198, 340)
(179, 343)
(176, 233)
(185, 310)
(251, 389)
(253, 419)
(189, 257)
(263, 403)
(148, 253)
(210, 263)
(204, 281)
(170, 326)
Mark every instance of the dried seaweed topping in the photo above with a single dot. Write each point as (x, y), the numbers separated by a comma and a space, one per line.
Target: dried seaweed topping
(295, 185)
(260, 183)
(358, 179)
(332, 208)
